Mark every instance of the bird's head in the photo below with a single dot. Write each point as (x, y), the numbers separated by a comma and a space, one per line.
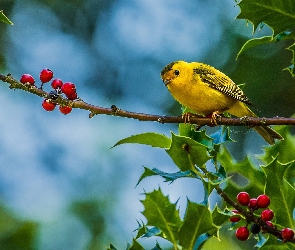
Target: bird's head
(173, 71)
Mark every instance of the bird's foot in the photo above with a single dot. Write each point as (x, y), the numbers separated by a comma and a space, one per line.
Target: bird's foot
(187, 117)
(215, 117)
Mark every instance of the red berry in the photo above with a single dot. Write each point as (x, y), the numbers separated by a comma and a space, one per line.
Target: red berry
(65, 109)
(72, 96)
(263, 201)
(27, 78)
(243, 198)
(242, 233)
(235, 218)
(253, 204)
(46, 75)
(68, 88)
(56, 83)
(287, 234)
(267, 215)
(48, 105)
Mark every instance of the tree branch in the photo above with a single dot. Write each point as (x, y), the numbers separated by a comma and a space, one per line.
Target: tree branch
(113, 110)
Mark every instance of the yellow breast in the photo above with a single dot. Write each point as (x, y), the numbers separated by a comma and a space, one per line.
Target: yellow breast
(197, 95)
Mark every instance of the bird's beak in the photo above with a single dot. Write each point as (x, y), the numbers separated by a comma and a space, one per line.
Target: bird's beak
(166, 82)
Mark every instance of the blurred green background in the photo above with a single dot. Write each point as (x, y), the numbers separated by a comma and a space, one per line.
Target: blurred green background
(61, 186)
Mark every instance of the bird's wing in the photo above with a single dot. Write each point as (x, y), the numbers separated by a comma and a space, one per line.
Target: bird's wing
(219, 81)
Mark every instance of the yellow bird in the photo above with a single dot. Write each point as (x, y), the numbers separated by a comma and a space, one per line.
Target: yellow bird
(206, 90)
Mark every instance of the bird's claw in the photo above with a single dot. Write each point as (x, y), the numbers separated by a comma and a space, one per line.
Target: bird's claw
(187, 117)
(215, 118)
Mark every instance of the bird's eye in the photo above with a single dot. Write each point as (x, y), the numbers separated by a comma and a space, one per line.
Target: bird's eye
(176, 72)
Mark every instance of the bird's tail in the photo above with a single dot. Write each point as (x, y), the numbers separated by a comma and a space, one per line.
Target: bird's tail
(241, 109)
(268, 134)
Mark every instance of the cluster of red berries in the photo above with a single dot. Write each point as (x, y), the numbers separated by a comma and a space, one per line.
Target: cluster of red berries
(67, 88)
(262, 201)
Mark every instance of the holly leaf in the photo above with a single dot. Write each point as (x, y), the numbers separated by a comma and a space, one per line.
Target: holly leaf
(161, 213)
(186, 152)
(282, 150)
(111, 247)
(150, 232)
(141, 230)
(244, 175)
(208, 188)
(254, 42)
(291, 67)
(149, 138)
(199, 136)
(169, 177)
(278, 14)
(219, 217)
(147, 172)
(147, 232)
(280, 192)
(273, 243)
(135, 246)
(197, 221)
(157, 247)
(4, 18)
(221, 136)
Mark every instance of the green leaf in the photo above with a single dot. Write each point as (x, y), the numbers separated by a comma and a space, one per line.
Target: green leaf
(281, 192)
(260, 240)
(147, 232)
(273, 243)
(135, 246)
(254, 42)
(4, 18)
(147, 172)
(188, 130)
(291, 67)
(185, 153)
(228, 241)
(219, 217)
(157, 247)
(245, 176)
(285, 36)
(111, 247)
(221, 136)
(141, 230)
(197, 220)
(208, 188)
(169, 177)
(283, 149)
(150, 232)
(278, 14)
(161, 213)
(151, 139)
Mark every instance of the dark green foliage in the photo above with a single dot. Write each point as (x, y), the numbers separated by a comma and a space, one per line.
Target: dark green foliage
(279, 15)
